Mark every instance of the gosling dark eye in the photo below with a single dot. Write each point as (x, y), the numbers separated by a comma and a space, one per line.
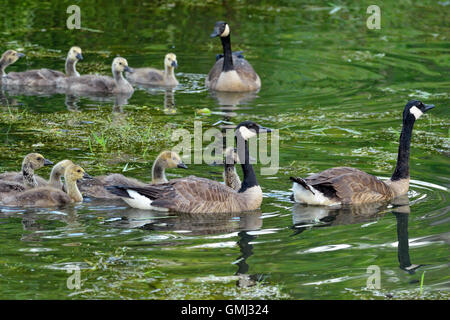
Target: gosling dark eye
(78, 171)
(39, 158)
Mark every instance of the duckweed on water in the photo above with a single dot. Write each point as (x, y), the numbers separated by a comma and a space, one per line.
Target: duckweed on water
(95, 132)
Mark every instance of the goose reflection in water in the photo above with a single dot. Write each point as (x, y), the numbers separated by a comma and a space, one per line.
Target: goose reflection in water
(229, 101)
(306, 217)
(206, 224)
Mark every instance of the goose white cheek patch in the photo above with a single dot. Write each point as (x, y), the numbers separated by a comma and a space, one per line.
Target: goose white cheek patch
(416, 112)
(246, 133)
(226, 32)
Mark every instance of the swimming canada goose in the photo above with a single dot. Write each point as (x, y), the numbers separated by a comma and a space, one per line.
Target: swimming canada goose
(153, 76)
(200, 195)
(230, 176)
(343, 185)
(48, 196)
(102, 84)
(95, 188)
(41, 77)
(231, 73)
(31, 162)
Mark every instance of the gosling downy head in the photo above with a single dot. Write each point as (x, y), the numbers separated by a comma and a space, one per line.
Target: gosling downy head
(172, 160)
(231, 156)
(74, 173)
(170, 61)
(75, 54)
(8, 58)
(414, 109)
(36, 161)
(221, 29)
(120, 65)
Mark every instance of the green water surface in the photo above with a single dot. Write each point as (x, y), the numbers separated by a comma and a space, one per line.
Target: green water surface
(334, 89)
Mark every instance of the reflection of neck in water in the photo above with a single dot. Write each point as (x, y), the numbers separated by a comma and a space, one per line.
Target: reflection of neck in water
(402, 215)
(246, 251)
(245, 280)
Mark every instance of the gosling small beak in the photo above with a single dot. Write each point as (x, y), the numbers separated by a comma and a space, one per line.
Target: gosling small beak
(47, 162)
(182, 165)
(21, 55)
(87, 176)
(128, 69)
(79, 56)
(428, 107)
(174, 64)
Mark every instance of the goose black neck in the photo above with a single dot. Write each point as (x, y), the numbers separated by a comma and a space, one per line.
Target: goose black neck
(402, 167)
(247, 169)
(227, 54)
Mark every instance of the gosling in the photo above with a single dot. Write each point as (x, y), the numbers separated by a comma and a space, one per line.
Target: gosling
(157, 77)
(51, 197)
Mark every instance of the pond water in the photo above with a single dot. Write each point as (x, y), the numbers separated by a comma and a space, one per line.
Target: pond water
(334, 89)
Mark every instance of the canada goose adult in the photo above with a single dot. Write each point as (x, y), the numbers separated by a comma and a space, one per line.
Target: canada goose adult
(48, 196)
(230, 176)
(157, 77)
(343, 185)
(95, 188)
(231, 73)
(31, 162)
(200, 195)
(42, 77)
(101, 84)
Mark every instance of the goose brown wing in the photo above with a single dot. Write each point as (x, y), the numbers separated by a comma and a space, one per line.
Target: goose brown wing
(192, 194)
(350, 185)
(215, 71)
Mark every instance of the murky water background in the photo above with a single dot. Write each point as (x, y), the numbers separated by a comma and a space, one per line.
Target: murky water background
(336, 91)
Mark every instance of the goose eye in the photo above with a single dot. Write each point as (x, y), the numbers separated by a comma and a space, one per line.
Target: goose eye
(78, 171)
(39, 158)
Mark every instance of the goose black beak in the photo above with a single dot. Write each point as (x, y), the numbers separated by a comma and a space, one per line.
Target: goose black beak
(428, 107)
(174, 64)
(47, 162)
(128, 69)
(182, 165)
(215, 33)
(264, 129)
(79, 56)
(87, 176)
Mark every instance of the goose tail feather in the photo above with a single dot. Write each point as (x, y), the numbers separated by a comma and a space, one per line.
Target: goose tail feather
(119, 190)
(302, 182)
